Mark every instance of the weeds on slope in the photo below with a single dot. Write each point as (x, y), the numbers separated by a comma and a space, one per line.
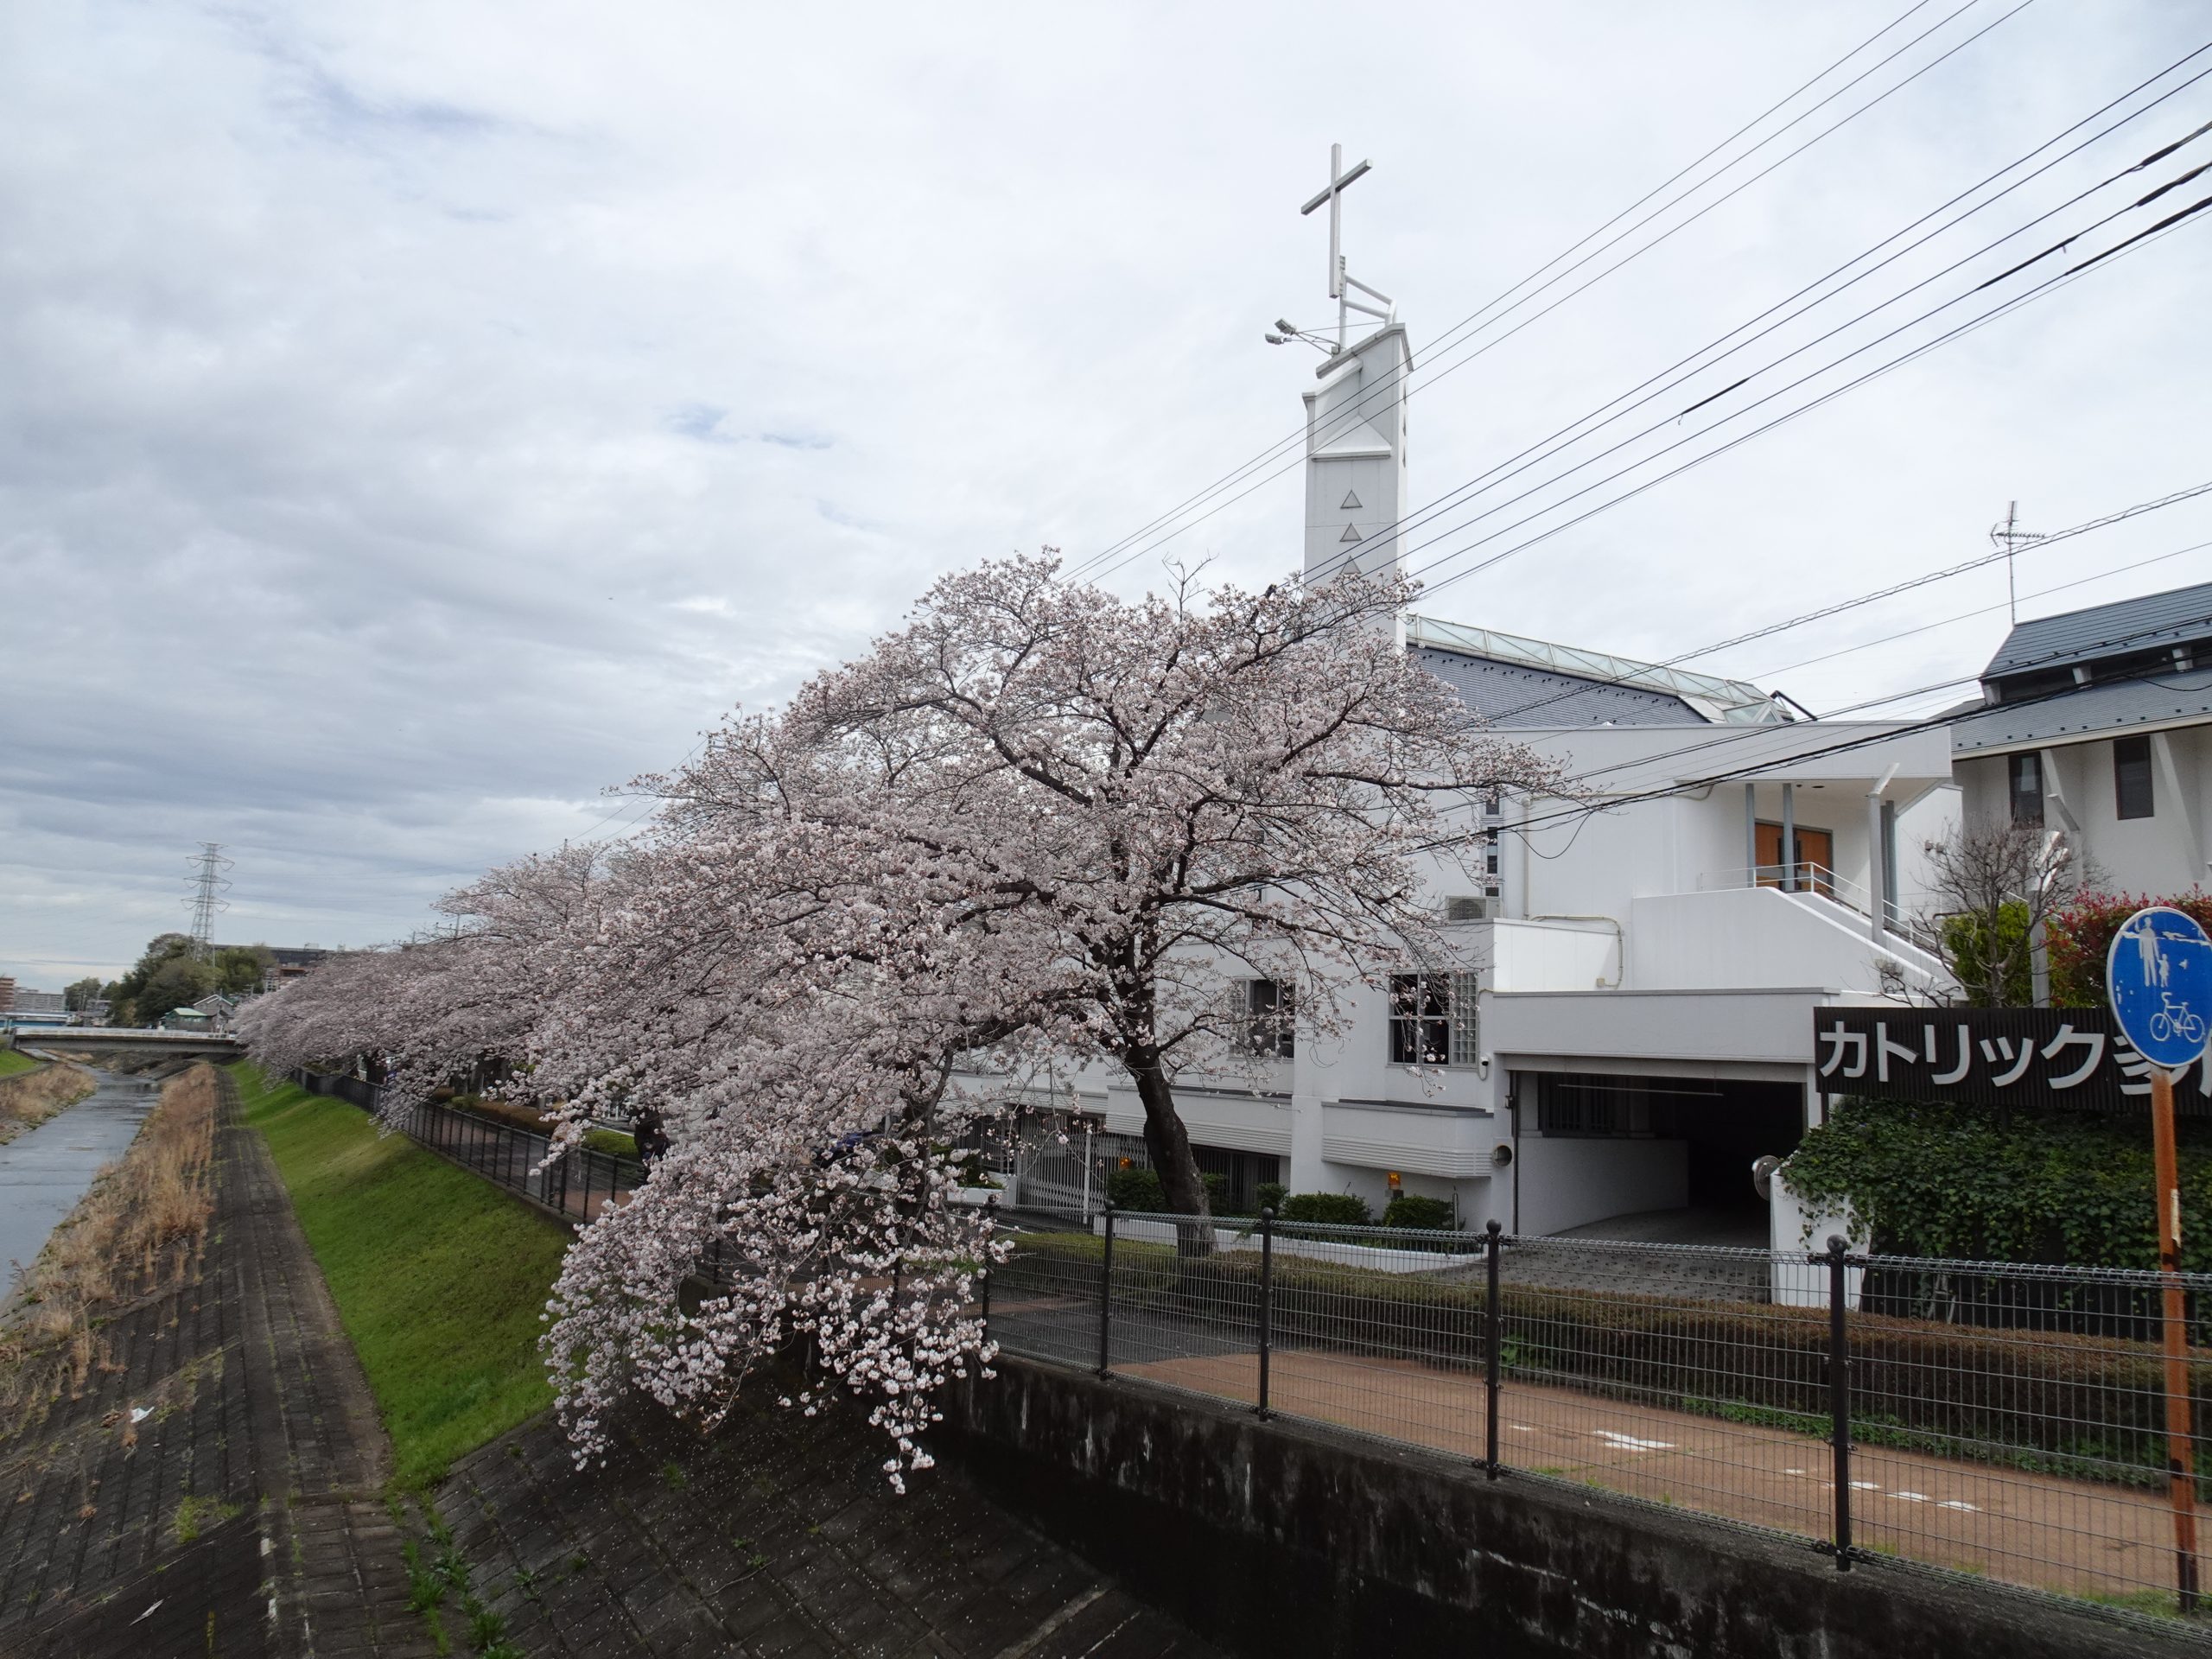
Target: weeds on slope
(29, 1098)
(141, 1230)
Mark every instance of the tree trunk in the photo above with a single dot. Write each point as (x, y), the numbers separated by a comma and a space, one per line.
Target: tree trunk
(1169, 1143)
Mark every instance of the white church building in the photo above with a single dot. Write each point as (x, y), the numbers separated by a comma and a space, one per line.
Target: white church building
(1627, 1023)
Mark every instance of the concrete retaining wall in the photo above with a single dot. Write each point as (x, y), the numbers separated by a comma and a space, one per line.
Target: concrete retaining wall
(1284, 1538)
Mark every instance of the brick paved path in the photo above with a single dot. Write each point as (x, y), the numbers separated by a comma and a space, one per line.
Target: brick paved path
(780, 1535)
(238, 1392)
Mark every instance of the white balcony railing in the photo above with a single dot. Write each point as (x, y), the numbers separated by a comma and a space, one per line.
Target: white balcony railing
(1819, 881)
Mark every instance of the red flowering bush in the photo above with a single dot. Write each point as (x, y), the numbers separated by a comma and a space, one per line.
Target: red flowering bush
(2080, 937)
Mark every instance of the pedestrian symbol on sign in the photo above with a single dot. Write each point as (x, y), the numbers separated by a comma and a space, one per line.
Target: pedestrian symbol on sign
(2159, 975)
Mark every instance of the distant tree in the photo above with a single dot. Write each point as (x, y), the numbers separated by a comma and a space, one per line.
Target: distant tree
(132, 1003)
(243, 967)
(177, 983)
(82, 995)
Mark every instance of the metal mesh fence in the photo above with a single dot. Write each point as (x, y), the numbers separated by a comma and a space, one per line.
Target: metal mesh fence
(580, 1183)
(2018, 1423)
(2010, 1422)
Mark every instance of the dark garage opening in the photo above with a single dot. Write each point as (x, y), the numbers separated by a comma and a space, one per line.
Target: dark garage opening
(1724, 1123)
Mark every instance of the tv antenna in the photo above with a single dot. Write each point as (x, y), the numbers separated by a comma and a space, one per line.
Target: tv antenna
(207, 901)
(2009, 535)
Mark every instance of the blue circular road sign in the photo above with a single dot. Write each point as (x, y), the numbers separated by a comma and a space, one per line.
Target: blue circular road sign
(2159, 974)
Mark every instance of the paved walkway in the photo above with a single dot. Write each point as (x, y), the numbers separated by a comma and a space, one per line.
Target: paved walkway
(778, 1536)
(215, 1488)
(1989, 1518)
(2080, 1537)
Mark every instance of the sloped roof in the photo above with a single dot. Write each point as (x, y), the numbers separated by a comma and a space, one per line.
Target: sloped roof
(1578, 687)
(2116, 706)
(2177, 616)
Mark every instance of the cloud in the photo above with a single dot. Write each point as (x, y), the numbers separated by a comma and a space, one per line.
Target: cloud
(411, 425)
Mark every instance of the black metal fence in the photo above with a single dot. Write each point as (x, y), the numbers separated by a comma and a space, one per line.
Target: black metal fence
(2026, 1431)
(580, 1183)
(2018, 1423)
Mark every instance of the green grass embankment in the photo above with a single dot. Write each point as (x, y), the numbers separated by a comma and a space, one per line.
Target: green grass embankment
(439, 1276)
(13, 1062)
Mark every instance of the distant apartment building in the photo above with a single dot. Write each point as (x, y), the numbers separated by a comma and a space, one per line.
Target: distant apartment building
(2099, 727)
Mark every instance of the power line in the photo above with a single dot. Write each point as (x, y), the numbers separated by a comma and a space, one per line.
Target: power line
(2003, 308)
(1651, 388)
(1565, 435)
(1933, 722)
(1967, 616)
(1445, 341)
(1980, 560)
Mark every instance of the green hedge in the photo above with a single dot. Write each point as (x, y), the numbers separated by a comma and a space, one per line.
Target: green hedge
(1330, 1208)
(1951, 1181)
(1411, 1210)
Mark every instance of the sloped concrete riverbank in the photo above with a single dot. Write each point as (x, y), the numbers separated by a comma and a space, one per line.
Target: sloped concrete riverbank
(47, 1168)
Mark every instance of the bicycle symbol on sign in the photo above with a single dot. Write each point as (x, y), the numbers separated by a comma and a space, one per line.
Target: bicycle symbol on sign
(2174, 1020)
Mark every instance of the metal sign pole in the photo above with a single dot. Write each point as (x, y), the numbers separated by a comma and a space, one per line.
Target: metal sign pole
(2159, 979)
(2180, 1460)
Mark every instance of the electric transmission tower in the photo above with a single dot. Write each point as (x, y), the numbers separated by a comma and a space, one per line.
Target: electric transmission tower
(207, 901)
(2008, 534)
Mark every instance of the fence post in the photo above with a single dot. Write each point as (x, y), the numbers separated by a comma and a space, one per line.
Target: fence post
(1493, 1346)
(1840, 1399)
(990, 1225)
(1106, 1297)
(1267, 1300)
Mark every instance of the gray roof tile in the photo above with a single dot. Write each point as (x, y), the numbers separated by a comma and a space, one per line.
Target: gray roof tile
(2092, 710)
(2178, 615)
(1504, 691)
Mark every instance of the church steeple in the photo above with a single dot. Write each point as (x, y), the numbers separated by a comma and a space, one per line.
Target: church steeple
(1356, 418)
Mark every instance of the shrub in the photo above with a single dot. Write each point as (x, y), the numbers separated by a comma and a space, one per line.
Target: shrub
(1967, 946)
(1339, 1209)
(1272, 1193)
(1411, 1210)
(1216, 1190)
(1950, 1180)
(1137, 1189)
(2080, 936)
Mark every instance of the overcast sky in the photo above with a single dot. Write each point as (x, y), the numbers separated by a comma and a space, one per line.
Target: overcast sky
(416, 418)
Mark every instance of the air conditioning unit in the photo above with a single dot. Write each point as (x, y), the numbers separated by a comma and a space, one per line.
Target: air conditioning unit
(1466, 907)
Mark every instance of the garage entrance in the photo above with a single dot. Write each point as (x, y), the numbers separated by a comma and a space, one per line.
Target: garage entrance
(1703, 1135)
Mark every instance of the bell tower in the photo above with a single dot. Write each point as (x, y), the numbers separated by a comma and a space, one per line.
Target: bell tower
(1356, 417)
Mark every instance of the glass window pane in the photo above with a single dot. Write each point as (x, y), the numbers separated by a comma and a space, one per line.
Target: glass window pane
(2131, 776)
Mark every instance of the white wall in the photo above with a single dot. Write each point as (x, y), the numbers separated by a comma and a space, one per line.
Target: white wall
(2160, 855)
(1568, 1182)
(1756, 936)
(1553, 955)
(1675, 1032)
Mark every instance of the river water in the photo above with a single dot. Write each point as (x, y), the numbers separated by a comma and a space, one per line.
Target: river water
(43, 1172)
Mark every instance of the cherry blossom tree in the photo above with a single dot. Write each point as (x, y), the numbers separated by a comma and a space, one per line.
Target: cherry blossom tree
(1180, 791)
(1037, 824)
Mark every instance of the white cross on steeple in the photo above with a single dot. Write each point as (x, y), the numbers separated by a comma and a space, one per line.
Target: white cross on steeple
(1340, 281)
(1356, 418)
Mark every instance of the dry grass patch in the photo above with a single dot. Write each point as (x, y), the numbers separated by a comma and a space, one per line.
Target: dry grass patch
(29, 1098)
(141, 1230)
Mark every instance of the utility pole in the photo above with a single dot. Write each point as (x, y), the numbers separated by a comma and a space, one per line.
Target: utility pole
(207, 901)
(2008, 534)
